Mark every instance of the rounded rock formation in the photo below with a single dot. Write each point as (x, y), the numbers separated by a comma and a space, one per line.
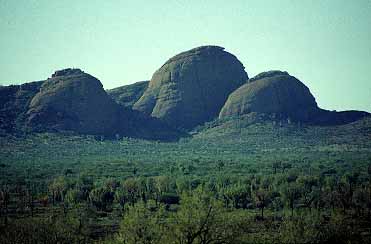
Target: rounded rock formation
(14, 102)
(272, 92)
(127, 95)
(73, 100)
(191, 88)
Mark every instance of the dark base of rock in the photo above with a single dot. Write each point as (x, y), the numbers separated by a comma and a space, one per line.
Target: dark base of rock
(326, 117)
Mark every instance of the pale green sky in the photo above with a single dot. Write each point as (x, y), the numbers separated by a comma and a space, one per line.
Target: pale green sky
(324, 43)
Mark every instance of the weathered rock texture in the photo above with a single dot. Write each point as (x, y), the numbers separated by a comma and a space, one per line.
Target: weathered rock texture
(129, 94)
(279, 94)
(272, 92)
(14, 102)
(326, 117)
(191, 88)
(72, 100)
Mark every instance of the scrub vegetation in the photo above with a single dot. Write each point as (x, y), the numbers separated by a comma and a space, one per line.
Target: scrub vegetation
(231, 182)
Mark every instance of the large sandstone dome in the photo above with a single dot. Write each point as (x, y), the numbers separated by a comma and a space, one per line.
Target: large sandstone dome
(192, 87)
(272, 92)
(73, 100)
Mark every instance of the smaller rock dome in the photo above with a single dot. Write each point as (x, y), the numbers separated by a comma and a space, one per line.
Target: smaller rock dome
(272, 92)
(73, 100)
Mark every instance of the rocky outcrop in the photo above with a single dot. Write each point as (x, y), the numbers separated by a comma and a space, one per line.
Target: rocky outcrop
(14, 102)
(129, 94)
(271, 93)
(281, 95)
(191, 88)
(326, 117)
(72, 100)
(268, 74)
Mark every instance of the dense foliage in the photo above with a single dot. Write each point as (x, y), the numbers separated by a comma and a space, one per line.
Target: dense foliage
(231, 183)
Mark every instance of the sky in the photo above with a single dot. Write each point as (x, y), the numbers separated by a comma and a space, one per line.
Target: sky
(324, 43)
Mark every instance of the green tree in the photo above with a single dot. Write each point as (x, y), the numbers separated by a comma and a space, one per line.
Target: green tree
(291, 193)
(262, 199)
(306, 185)
(202, 219)
(4, 204)
(132, 188)
(58, 189)
(101, 198)
(141, 226)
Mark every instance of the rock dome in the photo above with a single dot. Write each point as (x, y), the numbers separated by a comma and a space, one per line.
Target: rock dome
(272, 92)
(73, 100)
(191, 88)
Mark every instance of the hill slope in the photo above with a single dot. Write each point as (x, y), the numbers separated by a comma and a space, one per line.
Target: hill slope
(190, 88)
(14, 102)
(129, 94)
(282, 96)
(72, 100)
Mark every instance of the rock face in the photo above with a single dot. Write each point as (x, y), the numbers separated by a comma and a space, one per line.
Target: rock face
(14, 102)
(128, 95)
(272, 92)
(279, 94)
(73, 100)
(326, 117)
(191, 88)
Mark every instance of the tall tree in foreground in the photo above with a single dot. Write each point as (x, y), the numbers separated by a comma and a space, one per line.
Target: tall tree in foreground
(202, 219)
(140, 225)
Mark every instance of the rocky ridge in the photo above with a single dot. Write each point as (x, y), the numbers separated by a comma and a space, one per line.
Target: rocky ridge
(191, 87)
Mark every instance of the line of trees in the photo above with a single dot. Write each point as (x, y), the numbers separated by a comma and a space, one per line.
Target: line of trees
(199, 210)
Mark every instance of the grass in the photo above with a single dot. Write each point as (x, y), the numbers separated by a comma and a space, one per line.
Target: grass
(235, 148)
(243, 149)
